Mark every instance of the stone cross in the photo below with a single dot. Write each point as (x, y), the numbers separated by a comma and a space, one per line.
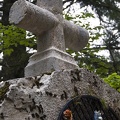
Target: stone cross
(54, 34)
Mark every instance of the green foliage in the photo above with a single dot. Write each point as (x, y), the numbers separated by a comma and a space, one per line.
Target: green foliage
(114, 81)
(81, 19)
(103, 8)
(108, 12)
(12, 36)
(87, 58)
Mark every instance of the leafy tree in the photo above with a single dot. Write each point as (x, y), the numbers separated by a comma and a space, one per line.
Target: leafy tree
(108, 12)
(11, 35)
(87, 58)
(13, 45)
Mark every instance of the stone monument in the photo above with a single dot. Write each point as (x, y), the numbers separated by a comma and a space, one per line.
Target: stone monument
(43, 96)
(54, 34)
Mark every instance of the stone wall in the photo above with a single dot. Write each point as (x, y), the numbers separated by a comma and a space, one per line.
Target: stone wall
(42, 97)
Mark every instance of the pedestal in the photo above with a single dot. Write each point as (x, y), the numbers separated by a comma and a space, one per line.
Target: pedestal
(48, 61)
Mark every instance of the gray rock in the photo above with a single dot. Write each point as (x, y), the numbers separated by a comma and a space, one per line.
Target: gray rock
(34, 98)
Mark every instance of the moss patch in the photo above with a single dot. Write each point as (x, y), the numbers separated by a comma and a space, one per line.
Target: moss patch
(3, 91)
(103, 103)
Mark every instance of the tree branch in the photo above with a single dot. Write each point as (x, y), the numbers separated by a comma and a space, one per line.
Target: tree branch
(102, 48)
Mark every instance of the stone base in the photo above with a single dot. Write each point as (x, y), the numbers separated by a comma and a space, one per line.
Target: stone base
(48, 61)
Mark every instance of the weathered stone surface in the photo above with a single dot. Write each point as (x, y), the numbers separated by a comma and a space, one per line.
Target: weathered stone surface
(54, 33)
(75, 36)
(28, 16)
(42, 97)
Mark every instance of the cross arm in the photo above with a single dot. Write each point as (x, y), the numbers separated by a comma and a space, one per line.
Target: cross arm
(31, 17)
(76, 37)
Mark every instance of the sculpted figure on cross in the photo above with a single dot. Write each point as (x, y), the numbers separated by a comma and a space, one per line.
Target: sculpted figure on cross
(53, 32)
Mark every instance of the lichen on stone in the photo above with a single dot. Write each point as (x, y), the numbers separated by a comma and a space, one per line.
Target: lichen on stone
(3, 90)
(103, 103)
